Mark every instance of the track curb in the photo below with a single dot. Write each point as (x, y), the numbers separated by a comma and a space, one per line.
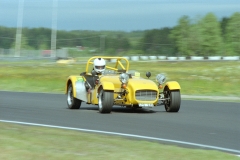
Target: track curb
(216, 98)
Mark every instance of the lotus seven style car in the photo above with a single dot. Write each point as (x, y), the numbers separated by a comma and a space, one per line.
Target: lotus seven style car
(118, 85)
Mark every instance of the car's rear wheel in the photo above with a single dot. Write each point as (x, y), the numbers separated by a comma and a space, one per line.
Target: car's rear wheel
(105, 101)
(173, 100)
(73, 103)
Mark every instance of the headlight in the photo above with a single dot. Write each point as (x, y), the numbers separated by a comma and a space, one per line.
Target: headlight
(161, 78)
(124, 77)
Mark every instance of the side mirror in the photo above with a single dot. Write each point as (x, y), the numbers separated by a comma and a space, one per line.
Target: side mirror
(148, 74)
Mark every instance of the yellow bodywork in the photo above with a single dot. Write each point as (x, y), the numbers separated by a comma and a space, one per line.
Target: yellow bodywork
(130, 96)
(72, 79)
(107, 85)
(173, 85)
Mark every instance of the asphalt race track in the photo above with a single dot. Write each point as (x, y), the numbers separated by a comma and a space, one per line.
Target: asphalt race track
(199, 122)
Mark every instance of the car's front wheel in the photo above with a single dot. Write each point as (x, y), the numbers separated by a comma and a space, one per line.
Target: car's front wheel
(105, 101)
(73, 103)
(173, 100)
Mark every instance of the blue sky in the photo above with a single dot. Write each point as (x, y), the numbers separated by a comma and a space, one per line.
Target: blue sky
(125, 15)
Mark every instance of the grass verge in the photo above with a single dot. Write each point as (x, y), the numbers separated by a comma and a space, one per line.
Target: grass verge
(220, 78)
(25, 142)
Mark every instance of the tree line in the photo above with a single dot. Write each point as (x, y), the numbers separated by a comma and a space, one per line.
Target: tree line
(201, 36)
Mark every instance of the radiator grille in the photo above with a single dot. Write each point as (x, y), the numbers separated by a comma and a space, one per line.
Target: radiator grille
(146, 95)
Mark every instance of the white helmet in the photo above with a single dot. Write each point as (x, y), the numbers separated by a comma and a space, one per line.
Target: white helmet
(99, 65)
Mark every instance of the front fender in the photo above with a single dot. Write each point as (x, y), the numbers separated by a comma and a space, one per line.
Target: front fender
(173, 85)
(107, 85)
(73, 80)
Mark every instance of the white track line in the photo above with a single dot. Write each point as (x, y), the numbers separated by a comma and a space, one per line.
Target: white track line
(127, 135)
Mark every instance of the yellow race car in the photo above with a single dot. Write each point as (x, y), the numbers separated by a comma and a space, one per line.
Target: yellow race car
(117, 85)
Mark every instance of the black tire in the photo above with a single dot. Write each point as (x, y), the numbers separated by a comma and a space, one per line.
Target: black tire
(105, 101)
(73, 103)
(174, 100)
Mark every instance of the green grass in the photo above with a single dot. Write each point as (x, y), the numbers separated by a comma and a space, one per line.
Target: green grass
(195, 78)
(199, 78)
(23, 142)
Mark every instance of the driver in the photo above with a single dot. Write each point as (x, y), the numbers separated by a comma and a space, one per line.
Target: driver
(99, 65)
